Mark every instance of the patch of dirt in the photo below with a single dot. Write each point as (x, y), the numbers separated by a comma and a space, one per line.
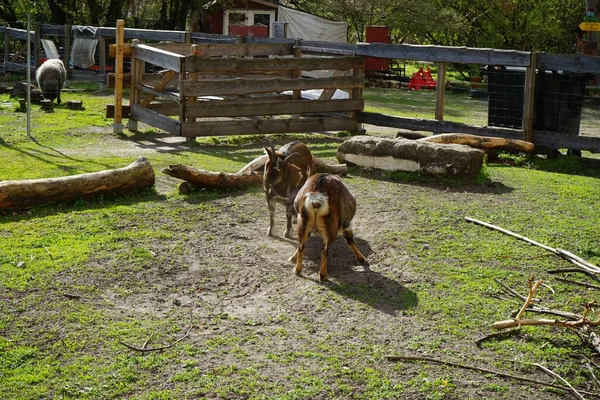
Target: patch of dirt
(232, 281)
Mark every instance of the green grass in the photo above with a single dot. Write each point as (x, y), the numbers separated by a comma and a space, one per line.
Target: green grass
(421, 104)
(78, 278)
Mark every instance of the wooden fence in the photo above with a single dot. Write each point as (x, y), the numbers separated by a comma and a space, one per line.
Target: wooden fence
(530, 61)
(232, 89)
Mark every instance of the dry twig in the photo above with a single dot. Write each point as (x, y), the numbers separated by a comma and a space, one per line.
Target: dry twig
(144, 349)
(484, 370)
(554, 374)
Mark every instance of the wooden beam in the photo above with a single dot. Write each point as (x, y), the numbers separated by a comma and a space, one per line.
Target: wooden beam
(431, 125)
(156, 90)
(197, 63)
(206, 109)
(120, 37)
(447, 54)
(157, 56)
(155, 119)
(110, 111)
(577, 63)
(440, 92)
(528, 99)
(127, 50)
(248, 86)
(230, 49)
(291, 125)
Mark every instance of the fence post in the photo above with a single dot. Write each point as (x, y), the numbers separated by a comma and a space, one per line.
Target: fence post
(529, 96)
(297, 94)
(120, 41)
(102, 56)
(6, 51)
(440, 92)
(67, 53)
(137, 70)
(37, 40)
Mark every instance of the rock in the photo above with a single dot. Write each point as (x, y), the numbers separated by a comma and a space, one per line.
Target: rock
(401, 154)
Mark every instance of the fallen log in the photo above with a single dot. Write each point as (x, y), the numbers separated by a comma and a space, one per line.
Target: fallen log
(258, 164)
(29, 193)
(481, 142)
(213, 180)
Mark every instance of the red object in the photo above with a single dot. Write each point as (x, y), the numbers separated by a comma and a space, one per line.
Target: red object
(377, 34)
(238, 29)
(258, 30)
(422, 78)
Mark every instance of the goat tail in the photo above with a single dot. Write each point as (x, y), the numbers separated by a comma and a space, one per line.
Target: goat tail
(316, 204)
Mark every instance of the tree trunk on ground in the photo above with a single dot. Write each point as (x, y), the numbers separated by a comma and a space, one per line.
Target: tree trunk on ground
(213, 180)
(481, 142)
(24, 194)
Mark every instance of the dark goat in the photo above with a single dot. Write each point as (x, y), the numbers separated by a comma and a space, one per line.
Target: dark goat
(51, 76)
(325, 206)
(285, 172)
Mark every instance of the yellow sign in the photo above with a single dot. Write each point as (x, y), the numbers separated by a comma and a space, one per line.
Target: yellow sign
(590, 26)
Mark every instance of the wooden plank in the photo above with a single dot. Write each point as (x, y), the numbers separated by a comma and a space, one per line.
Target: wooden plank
(558, 141)
(447, 54)
(440, 92)
(247, 86)
(325, 50)
(431, 125)
(198, 63)
(110, 111)
(17, 68)
(230, 49)
(145, 34)
(52, 30)
(221, 128)
(127, 50)
(246, 109)
(117, 125)
(157, 56)
(155, 119)
(87, 76)
(577, 63)
(20, 34)
(153, 92)
(528, 99)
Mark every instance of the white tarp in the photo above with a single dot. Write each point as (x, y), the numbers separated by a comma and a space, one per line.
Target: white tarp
(301, 25)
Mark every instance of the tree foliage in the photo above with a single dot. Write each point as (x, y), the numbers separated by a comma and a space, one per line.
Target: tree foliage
(549, 26)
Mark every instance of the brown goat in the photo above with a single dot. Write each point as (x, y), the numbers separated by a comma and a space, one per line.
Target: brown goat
(325, 206)
(285, 172)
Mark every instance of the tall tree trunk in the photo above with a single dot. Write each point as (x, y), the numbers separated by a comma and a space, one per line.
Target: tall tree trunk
(115, 12)
(96, 11)
(8, 15)
(59, 16)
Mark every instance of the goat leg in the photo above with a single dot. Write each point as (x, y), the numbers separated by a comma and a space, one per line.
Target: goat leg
(289, 213)
(323, 275)
(271, 205)
(303, 233)
(348, 235)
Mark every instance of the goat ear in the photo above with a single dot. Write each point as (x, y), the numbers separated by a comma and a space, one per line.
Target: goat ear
(268, 152)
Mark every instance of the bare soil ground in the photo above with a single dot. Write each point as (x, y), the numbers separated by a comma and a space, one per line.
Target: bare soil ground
(236, 285)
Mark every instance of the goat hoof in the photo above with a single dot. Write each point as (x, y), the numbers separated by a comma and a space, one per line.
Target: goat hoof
(323, 278)
(298, 272)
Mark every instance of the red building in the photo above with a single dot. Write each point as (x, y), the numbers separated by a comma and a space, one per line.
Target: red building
(244, 18)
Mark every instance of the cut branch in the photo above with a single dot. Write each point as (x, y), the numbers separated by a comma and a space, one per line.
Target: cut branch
(585, 266)
(145, 349)
(484, 370)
